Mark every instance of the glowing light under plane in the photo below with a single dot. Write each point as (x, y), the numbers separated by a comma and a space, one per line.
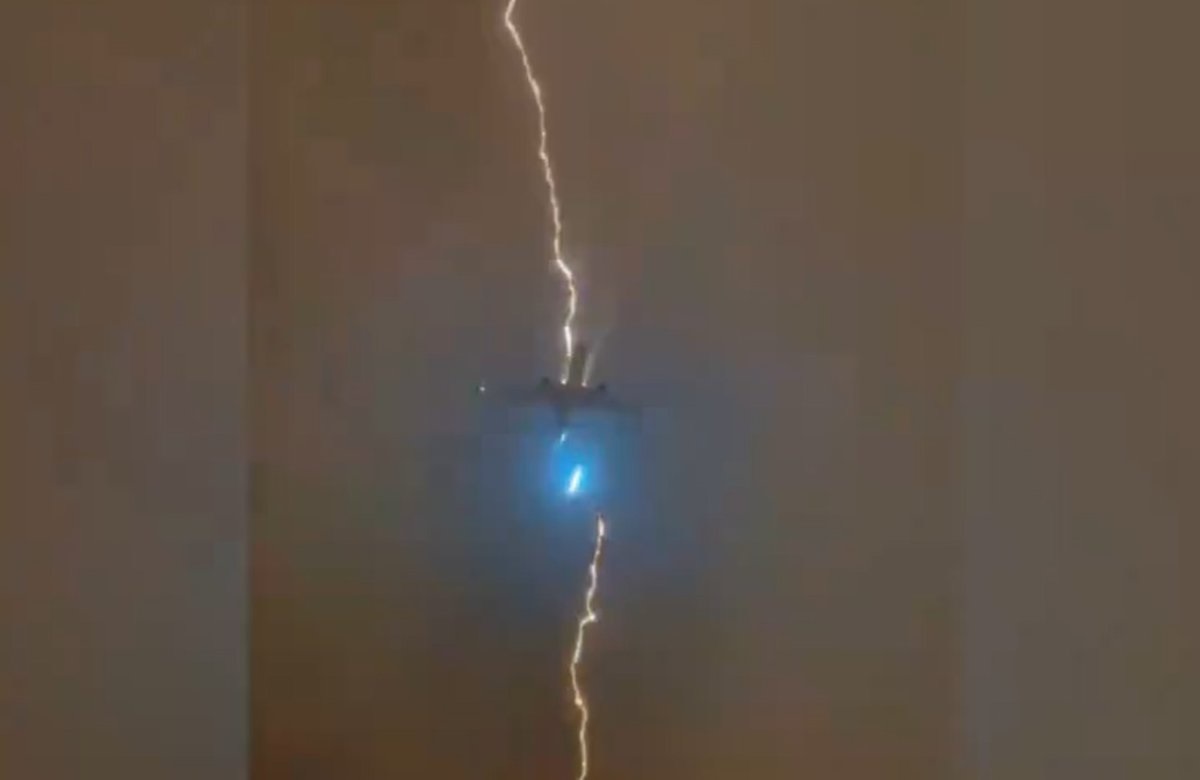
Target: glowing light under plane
(574, 482)
(560, 261)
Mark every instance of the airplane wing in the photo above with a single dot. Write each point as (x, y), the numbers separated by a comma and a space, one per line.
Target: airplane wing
(516, 396)
(608, 403)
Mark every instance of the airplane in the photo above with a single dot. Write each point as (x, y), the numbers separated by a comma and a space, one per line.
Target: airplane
(571, 395)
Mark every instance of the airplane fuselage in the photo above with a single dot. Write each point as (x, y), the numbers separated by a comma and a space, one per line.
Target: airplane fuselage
(572, 393)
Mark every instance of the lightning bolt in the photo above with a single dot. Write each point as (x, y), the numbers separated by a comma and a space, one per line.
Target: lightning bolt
(588, 617)
(552, 190)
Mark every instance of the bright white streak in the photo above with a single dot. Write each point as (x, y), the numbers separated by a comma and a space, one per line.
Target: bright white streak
(576, 478)
(589, 616)
(548, 172)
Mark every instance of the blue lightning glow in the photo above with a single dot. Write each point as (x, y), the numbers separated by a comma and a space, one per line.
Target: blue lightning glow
(575, 482)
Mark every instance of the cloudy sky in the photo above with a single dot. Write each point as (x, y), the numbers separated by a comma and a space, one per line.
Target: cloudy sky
(907, 289)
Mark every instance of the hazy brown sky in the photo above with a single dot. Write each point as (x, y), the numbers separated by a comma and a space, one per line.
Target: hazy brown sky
(122, 324)
(910, 287)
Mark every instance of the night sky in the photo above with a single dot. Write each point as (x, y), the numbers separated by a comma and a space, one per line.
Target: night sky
(908, 289)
